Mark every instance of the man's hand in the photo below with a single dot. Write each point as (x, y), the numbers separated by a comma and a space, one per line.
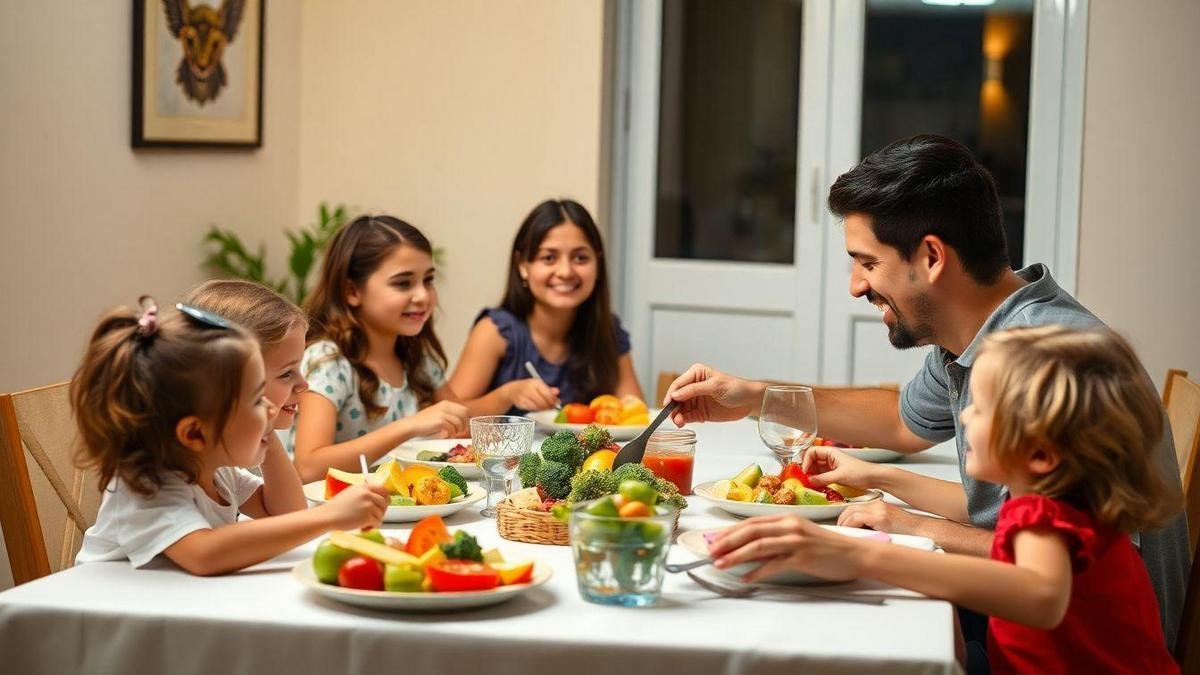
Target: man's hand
(708, 395)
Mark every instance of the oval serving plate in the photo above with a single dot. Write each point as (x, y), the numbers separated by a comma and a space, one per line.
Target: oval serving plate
(421, 602)
(315, 492)
(620, 432)
(748, 509)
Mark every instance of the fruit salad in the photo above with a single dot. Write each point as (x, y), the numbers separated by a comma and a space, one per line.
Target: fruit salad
(606, 409)
(412, 485)
(791, 487)
(432, 560)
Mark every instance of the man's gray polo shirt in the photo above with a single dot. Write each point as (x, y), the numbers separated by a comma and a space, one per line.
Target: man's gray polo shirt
(933, 400)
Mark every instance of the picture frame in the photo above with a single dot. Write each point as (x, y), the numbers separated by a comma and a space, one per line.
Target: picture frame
(198, 73)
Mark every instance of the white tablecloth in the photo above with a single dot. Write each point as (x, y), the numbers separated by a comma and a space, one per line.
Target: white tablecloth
(108, 617)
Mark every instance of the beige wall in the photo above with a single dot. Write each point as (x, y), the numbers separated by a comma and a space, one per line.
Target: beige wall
(456, 116)
(1139, 230)
(88, 222)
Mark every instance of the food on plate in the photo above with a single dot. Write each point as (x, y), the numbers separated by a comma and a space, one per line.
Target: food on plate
(830, 443)
(606, 409)
(432, 560)
(792, 486)
(414, 485)
(576, 467)
(337, 480)
(459, 454)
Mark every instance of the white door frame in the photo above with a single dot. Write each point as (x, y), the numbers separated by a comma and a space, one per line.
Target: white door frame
(828, 147)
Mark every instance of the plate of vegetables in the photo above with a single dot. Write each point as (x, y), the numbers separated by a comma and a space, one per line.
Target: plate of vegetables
(750, 493)
(624, 417)
(417, 491)
(433, 570)
(440, 452)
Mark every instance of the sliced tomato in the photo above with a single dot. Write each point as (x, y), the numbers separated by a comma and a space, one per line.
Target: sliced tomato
(428, 533)
(793, 470)
(461, 575)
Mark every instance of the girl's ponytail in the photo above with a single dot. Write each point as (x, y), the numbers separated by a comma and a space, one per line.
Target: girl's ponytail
(140, 375)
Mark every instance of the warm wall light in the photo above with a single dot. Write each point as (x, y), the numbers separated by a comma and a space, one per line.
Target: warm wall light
(993, 70)
(960, 3)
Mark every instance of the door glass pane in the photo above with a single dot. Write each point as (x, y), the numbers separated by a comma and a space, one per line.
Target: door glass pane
(960, 71)
(727, 130)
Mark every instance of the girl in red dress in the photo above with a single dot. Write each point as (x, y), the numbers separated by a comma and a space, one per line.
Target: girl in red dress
(1066, 420)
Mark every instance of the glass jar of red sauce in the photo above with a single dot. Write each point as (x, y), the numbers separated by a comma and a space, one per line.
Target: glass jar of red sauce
(671, 454)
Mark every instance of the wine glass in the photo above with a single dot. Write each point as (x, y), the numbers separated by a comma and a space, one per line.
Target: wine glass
(499, 441)
(788, 421)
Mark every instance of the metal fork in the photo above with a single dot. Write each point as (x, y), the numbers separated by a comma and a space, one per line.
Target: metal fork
(747, 591)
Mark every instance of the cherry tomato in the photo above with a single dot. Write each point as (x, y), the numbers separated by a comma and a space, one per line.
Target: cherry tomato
(428, 533)
(461, 575)
(362, 573)
(578, 413)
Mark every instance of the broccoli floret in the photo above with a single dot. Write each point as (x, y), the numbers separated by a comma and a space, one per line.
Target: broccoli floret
(590, 485)
(667, 492)
(452, 476)
(564, 449)
(634, 472)
(593, 438)
(555, 478)
(464, 547)
(528, 468)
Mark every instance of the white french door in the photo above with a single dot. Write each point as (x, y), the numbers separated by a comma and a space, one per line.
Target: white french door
(791, 317)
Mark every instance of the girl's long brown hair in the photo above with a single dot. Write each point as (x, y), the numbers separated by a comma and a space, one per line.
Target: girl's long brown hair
(355, 252)
(1084, 395)
(592, 364)
(131, 391)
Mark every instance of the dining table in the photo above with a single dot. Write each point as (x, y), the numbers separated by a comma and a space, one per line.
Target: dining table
(108, 617)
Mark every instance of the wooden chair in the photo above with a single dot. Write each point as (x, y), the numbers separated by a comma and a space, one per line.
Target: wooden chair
(46, 502)
(1181, 396)
(664, 383)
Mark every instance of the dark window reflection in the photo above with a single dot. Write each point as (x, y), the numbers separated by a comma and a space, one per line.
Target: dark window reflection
(727, 130)
(958, 71)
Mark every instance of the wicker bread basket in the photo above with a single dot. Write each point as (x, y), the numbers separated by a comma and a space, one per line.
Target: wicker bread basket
(536, 527)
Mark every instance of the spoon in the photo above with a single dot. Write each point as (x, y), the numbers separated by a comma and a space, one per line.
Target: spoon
(633, 450)
(683, 567)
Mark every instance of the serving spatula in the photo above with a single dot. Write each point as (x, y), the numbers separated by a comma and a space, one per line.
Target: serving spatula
(633, 450)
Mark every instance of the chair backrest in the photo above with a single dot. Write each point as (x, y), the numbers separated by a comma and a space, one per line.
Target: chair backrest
(1181, 396)
(46, 502)
(1187, 642)
(660, 391)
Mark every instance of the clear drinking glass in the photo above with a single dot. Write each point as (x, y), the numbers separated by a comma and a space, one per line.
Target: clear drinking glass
(788, 421)
(499, 441)
(619, 561)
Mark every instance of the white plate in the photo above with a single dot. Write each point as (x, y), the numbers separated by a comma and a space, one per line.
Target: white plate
(408, 453)
(620, 432)
(747, 509)
(396, 602)
(315, 491)
(873, 454)
(693, 542)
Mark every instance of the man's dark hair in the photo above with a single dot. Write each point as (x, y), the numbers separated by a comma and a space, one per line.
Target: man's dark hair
(925, 185)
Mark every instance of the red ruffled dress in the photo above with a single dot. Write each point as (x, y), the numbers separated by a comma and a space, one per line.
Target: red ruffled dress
(1112, 623)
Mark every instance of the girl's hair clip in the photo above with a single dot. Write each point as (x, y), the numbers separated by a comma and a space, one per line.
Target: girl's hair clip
(204, 316)
(148, 321)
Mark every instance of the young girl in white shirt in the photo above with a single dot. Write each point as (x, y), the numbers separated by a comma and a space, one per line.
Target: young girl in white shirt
(171, 412)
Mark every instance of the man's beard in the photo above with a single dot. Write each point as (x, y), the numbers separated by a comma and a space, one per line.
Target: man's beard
(900, 333)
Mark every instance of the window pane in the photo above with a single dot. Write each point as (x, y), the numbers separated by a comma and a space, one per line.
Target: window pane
(958, 71)
(727, 130)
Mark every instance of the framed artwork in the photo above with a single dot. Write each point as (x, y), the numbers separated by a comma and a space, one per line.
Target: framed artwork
(197, 73)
